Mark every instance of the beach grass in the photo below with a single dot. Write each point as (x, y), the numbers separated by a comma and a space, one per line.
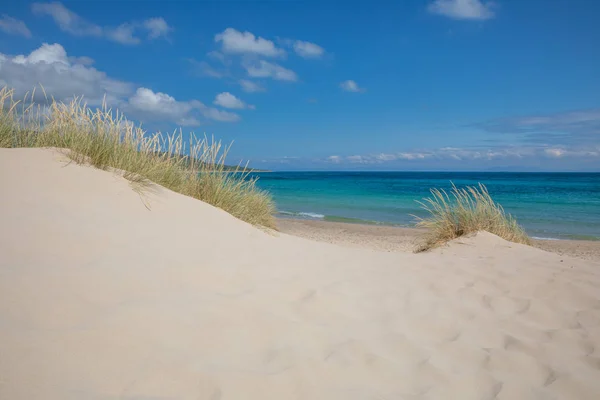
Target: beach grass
(464, 211)
(107, 140)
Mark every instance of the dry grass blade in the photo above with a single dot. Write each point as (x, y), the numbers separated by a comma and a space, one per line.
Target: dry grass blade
(463, 211)
(107, 140)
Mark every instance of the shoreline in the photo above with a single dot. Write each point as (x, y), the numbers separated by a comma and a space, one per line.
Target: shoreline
(112, 304)
(315, 217)
(403, 239)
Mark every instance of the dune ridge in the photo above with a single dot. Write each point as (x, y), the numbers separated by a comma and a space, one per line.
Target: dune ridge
(111, 293)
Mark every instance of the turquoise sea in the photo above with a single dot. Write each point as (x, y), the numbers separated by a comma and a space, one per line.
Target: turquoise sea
(548, 205)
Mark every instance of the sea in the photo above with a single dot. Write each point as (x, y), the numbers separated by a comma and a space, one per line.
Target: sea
(548, 205)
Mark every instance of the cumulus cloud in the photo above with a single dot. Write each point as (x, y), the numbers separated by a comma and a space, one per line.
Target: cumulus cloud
(219, 115)
(126, 33)
(250, 87)
(65, 77)
(462, 9)
(83, 60)
(227, 100)
(161, 106)
(265, 69)
(157, 27)
(14, 26)
(234, 41)
(245, 50)
(308, 50)
(61, 76)
(351, 86)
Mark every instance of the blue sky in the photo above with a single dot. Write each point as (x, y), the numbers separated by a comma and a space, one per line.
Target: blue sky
(384, 85)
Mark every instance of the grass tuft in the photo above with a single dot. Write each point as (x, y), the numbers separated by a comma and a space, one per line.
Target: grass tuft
(106, 140)
(464, 211)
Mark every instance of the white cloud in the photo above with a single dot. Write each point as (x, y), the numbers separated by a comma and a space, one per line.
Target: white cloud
(61, 76)
(123, 34)
(70, 22)
(358, 159)
(219, 115)
(14, 26)
(384, 157)
(228, 100)
(162, 106)
(467, 155)
(264, 69)
(400, 156)
(67, 20)
(412, 156)
(83, 60)
(463, 9)
(308, 50)
(555, 152)
(351, 86)
(157, 27)
(484, 154)
(250, 87)
(64, 77)
(234, 41)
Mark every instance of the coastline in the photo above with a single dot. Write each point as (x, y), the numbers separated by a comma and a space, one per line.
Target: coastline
(548, 205)
(112, 304)
(403, 239)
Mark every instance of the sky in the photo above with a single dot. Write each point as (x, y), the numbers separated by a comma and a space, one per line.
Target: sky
(330, 85)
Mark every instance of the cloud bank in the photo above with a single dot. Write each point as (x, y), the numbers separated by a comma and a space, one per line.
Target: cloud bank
(64, 77)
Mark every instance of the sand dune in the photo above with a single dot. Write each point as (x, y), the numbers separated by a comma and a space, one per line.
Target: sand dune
(107, 293)
(394, 238)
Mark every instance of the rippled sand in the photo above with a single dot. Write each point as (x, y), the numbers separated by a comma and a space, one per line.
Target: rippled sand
(103, 298)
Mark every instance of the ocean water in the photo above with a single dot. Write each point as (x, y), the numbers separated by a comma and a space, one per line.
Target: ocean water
(548, 205)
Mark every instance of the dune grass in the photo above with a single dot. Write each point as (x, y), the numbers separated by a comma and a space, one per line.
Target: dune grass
(107, 140)
(463, 211)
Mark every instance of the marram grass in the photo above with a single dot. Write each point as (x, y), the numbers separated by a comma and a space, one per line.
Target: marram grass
(106, 140)
(464, 211)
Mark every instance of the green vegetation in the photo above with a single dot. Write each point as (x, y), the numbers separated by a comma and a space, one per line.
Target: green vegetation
(103, 140)
(466, 211)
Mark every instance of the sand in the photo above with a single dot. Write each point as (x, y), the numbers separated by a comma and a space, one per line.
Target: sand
(106, 293)
(391, 238)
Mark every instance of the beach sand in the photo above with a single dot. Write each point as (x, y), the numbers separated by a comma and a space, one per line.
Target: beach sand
(111, 293)
(390, 238)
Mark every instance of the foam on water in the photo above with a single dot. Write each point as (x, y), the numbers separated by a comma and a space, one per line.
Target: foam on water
(303, 215)
(548, 205)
